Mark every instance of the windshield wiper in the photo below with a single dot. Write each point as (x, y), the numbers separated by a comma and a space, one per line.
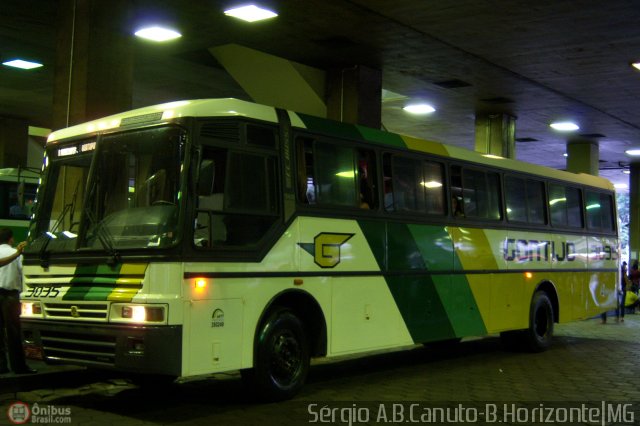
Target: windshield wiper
(68, 209)
(104, 236)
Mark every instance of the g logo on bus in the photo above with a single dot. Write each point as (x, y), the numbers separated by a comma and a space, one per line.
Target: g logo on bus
(325, 248)
(74, 312)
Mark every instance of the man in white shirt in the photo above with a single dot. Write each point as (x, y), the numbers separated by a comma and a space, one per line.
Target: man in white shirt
(10, 288)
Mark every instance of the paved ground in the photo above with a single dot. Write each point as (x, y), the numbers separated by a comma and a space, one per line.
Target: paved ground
(589, 363)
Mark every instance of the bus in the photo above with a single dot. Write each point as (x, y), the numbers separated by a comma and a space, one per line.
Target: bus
(17, 194)
(205, 236)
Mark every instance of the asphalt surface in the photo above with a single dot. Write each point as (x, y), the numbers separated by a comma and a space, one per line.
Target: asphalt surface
(592, 371)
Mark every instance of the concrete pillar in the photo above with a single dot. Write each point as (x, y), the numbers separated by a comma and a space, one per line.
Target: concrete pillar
(583, 156)
(94, 61)
(495, 134)
(354, 95)
(14, 135)
(634, 212)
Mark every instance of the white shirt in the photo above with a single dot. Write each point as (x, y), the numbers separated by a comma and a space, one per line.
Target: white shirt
(11, 274)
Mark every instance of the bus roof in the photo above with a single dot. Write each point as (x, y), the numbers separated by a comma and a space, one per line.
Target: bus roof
(229, 107)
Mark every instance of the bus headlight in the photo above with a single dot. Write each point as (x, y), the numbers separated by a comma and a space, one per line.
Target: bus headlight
(125, 312)
(31, 309)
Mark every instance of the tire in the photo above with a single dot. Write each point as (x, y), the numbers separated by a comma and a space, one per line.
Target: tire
(539, 335)
(281, 359)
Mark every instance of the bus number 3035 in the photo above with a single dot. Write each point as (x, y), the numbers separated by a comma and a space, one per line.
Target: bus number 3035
(41, 291)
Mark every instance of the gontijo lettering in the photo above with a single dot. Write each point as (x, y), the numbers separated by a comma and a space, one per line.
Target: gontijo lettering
(516, 250)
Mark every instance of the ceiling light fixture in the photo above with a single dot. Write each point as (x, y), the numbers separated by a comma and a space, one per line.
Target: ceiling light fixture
(633, 152)
(636, 65)
(251, 13)
(22, 64)
(621, 186)
(564, 126)
(419, 109)
(158, 34)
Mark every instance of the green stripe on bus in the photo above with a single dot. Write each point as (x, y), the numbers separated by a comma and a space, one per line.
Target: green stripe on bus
(416, 296)
(87, 277)
(381, 137)
(434, 307)
(420, 306)
(83, 292)
(333, 128)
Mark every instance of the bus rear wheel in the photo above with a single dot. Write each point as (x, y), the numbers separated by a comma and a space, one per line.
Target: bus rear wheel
(281, 360)
(538, 337)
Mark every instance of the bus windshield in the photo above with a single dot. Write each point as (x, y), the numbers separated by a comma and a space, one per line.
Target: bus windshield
(127, 199)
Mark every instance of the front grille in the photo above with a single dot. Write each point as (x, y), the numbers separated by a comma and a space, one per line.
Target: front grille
(85, 349)
(77, 311)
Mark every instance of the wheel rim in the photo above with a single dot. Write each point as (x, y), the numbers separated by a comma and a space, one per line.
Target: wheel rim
(286, 358)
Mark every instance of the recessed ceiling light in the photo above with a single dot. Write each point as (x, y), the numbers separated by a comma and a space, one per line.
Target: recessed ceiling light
(251, 13)
(22, 64)
(565, 154)
(636, 65)
(419, 109)
(633, 152)
(626, 171)
(564, 126)
(158, 34)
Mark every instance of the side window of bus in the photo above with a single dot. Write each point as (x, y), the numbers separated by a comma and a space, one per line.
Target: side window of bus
(413, 185)
(525, 200)
(237, 201)
(16, 200)
(333, 175)
(480, 193)
(565, 205)
(599, 209)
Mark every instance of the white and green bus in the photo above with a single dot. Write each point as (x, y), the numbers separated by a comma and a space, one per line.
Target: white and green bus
(17, 194)
(214, 235)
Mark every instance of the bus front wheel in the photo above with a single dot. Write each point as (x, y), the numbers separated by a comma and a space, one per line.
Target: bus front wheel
(282, 358)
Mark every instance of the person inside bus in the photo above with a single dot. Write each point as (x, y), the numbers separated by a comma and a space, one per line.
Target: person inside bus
(456, 207)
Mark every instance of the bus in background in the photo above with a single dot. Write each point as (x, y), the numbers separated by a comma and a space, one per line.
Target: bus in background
(206, 236)
(17, 196)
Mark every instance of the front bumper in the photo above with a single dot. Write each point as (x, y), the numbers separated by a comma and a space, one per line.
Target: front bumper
(136, 349)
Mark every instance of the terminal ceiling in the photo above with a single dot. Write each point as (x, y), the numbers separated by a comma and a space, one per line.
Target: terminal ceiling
(539, 61)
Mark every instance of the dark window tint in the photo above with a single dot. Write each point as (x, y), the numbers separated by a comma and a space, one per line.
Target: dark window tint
(237, 198)
(525, 200)
(333, 175)
(565, 205)
(599, 209)
(480, 193)
(413, 185)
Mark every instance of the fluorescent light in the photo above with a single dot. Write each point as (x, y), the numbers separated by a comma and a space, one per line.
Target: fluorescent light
(158, 34)
(347, 174)
(621, 186)
(633, 152)
(626, 171)
(419, 109)
(565, 155)
(636, 65)
(22, 64)
(431, 184)
(565, 126)
(251, 13)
